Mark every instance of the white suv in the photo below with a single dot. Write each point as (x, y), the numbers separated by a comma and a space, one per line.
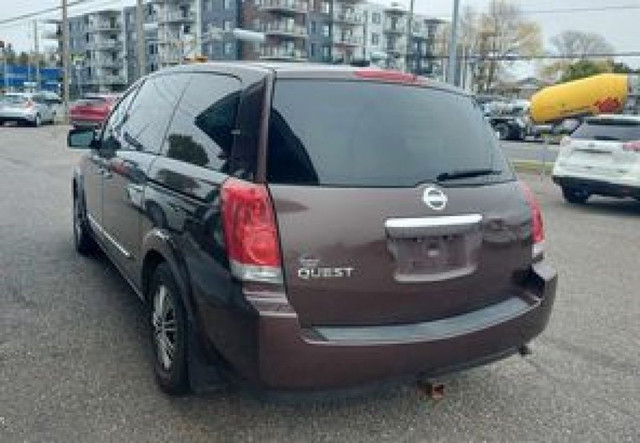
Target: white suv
(601, 157)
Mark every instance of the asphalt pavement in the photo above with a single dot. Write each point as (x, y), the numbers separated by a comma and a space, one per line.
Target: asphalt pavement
(75, 360)
(535, 151)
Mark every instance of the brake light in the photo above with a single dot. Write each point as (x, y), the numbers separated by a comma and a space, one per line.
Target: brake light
(537, 226)
(387, 75)
(250, 232)
(565, 141)
(633, 146)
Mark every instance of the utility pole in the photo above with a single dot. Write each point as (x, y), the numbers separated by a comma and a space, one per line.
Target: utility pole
(65, 55)
(36, 44)
(453, 44)
(140, 41)
(409, 36)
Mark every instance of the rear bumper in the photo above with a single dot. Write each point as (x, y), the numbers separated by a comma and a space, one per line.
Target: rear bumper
(8, 114)
(600, 187)
(288, 357)
(85, 121)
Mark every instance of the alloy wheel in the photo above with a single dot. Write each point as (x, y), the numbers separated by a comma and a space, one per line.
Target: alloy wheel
(164, 326)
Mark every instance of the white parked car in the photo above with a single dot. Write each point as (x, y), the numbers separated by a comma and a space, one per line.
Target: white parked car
(601, 157)
(27, 107)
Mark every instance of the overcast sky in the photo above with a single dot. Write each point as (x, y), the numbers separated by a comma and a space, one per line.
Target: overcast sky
(618, 26)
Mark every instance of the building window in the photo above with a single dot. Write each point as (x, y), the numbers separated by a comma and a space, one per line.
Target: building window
(314, 28)
(228, 48)
(313, 49)
(326, 30)
(376, 18)
(208, 5)
(227, 25)
(226, 4)
(326, 52)
(375, 39)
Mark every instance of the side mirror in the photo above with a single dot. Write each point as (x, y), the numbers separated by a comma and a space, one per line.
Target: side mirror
(82, 138)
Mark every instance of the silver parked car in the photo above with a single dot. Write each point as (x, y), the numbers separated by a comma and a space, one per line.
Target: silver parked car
(25, 107)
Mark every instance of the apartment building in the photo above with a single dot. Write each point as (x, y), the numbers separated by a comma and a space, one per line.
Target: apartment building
(96, 44)
(104, 43)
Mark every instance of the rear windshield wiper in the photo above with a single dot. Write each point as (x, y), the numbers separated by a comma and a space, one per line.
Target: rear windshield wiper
(466, 173)
(606, 138)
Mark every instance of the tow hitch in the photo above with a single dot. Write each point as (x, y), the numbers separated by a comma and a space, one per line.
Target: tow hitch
(432, 388)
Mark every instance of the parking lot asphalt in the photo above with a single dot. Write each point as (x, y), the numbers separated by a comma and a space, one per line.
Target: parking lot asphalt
(530, 151)
(75, 360)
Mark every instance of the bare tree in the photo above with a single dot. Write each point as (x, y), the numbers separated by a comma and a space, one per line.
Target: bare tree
(575, 47)
(496, 35)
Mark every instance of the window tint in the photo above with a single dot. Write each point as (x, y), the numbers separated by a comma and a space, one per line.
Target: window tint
(372, 134)
(609, 129)
(147, 119)
(112, 133)
(202, 129)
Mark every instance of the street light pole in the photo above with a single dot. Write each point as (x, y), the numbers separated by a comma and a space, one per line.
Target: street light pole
(65, 54)
(453, 44)
(141, 46)
(36, 45)
(409, 45)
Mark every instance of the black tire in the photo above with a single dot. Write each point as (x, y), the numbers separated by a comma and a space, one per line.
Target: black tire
(502, 130)
(82, 236)
(168, 325)
(575, 196)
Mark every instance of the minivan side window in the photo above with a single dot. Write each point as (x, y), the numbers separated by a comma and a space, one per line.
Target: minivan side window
(203, 127)
(149, 115)
(112, 128)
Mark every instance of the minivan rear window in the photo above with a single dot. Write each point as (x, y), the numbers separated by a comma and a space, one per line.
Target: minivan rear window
(608, 129)
(355, 133)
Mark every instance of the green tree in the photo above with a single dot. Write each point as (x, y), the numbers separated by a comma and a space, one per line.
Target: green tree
(584, 68)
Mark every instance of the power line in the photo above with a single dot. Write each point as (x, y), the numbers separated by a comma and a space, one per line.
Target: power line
(546, 56)
(563, 10)
(41, 12)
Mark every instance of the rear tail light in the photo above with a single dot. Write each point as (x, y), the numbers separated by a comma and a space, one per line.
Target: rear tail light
(250, 232)
(565, 141)
(537, 226)
(633, 146)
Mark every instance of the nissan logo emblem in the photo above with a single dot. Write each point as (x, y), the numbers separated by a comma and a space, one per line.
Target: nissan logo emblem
(434, 198)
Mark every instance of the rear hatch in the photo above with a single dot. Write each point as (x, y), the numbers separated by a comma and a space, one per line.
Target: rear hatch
(15, 103)
(597, 147)
(394, 203)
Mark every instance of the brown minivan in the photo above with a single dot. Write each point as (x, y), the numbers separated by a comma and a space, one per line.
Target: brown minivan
(304, 227)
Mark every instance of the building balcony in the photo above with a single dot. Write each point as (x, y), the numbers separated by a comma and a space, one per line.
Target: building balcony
(177, 17)
(347, 40)
(395, 48)
(104, 27)
(347, 18)
(108, 79)
(104, 63)
(104, 45)
(284, 29)
(283, 53)
(285, 6)
(52, 35)
(395, 29)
